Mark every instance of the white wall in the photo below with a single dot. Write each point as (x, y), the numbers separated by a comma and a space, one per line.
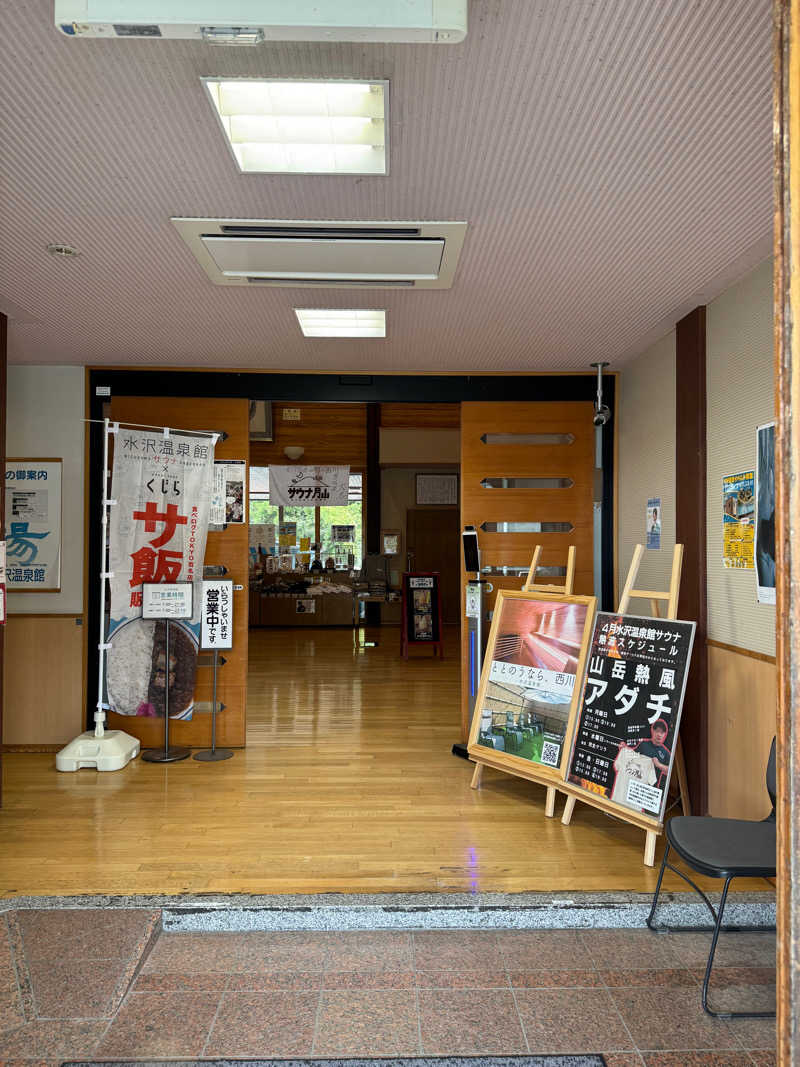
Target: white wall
(45, 409)
(647, 463)
(740, 380)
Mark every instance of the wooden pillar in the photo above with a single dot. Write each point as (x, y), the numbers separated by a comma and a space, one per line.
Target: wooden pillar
(786, 60)
(690, 531)
(3, 406)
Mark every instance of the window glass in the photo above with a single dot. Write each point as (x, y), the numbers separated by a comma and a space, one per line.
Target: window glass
(349, 515)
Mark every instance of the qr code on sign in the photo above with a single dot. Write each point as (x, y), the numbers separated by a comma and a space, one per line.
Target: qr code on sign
(550, 754)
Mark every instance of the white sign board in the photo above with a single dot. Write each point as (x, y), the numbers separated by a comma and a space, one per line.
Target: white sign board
(167, 600)
(33, 524)
(309, 487)
(216, 614)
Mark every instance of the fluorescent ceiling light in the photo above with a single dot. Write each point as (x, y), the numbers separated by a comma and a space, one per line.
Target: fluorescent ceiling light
(341, 322)
(309, 127)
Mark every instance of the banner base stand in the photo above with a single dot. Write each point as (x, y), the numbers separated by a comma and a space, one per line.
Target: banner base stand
(208, 755)
(111, 752)
(165, 755)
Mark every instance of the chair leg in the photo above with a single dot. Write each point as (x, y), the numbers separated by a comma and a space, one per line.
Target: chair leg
(715, 937)
(654, 905)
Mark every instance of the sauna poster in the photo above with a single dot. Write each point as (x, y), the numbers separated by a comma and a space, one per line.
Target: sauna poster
(534, 661)
(738, 520)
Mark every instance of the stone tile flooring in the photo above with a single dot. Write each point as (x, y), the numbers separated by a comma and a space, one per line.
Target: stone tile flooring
(104, 984)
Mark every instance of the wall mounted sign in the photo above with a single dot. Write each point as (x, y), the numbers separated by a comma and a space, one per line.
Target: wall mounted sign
(738, 520)
(530, 683)
(309, 487)
(167, 600)
(653, 522)
(306, 606)
(345, 534)
(437, 489)
(627, 725)
(216, 614)
(33, 525)
(765, 513)
(228, 504)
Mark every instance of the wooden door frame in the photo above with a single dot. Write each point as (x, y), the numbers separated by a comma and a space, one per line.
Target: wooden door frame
(786, 69)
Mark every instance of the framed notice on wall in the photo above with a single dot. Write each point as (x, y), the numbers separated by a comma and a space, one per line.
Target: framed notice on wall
(530, 683)
(627, 725)
(33, 525)
(437, 489)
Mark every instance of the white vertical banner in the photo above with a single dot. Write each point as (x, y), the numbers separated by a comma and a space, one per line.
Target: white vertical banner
(216, 614)
(161, 488)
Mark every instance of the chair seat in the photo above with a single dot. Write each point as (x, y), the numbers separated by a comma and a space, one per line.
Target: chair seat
(724, 848)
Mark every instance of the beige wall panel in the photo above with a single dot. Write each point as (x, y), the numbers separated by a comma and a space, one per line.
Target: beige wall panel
(400, 446)
(741, 724)
(43, 680)
(741, 396)
(229, 547)
(329, 433)
(647, 463)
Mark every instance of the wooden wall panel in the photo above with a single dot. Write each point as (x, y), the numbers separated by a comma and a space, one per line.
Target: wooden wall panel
(43, 684)
(329, 433)
(229, 546)
(421, 416)
(742, 720)
(574, 504)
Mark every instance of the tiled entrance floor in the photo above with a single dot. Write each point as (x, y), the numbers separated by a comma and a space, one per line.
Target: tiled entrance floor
(81, 985)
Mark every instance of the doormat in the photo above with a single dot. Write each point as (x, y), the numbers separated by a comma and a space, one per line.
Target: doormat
(592, 1060)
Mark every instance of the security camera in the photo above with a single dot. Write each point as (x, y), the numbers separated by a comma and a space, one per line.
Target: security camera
(602, 414)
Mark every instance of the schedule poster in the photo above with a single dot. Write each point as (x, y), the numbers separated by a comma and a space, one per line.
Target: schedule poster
(738, 525)
(630, 710)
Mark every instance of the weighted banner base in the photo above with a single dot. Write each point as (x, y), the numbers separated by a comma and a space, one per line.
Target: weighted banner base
(207, 756)
(170, 755)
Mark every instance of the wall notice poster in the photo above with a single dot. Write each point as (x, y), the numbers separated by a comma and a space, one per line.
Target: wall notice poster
(765, 513)
(33, 525)
(157, 533)
(345, 534)
(653, 522)
(309, 487)
(738, 520)
(630, 711)
(437, 489)
(228, 501)
(534, 660)
(216, 614)
(287, 534)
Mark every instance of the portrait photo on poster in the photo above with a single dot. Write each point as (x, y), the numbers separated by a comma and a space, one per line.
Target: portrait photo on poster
(531, 676)
(765, 513)
(630, 708)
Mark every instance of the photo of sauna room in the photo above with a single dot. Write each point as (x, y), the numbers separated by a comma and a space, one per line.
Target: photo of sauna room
(532, 678)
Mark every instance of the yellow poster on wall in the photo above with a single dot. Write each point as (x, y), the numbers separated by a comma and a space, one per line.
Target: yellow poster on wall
(738, 515)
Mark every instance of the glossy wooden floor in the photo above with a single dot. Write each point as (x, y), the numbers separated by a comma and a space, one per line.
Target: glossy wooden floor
(348, 785)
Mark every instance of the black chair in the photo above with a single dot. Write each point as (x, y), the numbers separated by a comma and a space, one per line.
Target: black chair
(721, 848)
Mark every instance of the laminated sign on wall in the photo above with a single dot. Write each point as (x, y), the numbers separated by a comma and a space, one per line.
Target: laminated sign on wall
(33, 524)
(161, 486)
(738, 520)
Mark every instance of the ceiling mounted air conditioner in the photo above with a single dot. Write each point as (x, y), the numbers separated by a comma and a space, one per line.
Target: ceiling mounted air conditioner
(373, 255)
(250, 22)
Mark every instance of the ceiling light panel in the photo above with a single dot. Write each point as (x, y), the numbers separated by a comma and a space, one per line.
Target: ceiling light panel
(307, 127)
(341, 322)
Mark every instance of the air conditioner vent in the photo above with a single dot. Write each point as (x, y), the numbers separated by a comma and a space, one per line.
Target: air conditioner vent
(367, 255)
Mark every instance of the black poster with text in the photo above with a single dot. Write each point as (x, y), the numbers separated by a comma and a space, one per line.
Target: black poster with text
(630, 710)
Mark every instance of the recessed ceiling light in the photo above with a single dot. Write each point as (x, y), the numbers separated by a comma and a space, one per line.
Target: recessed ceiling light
(307, 127)
(64, 251)
(341, 322)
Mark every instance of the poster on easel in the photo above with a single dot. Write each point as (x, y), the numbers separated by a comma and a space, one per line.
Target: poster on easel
(530, 682)
(627, 724)
(765, 513)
